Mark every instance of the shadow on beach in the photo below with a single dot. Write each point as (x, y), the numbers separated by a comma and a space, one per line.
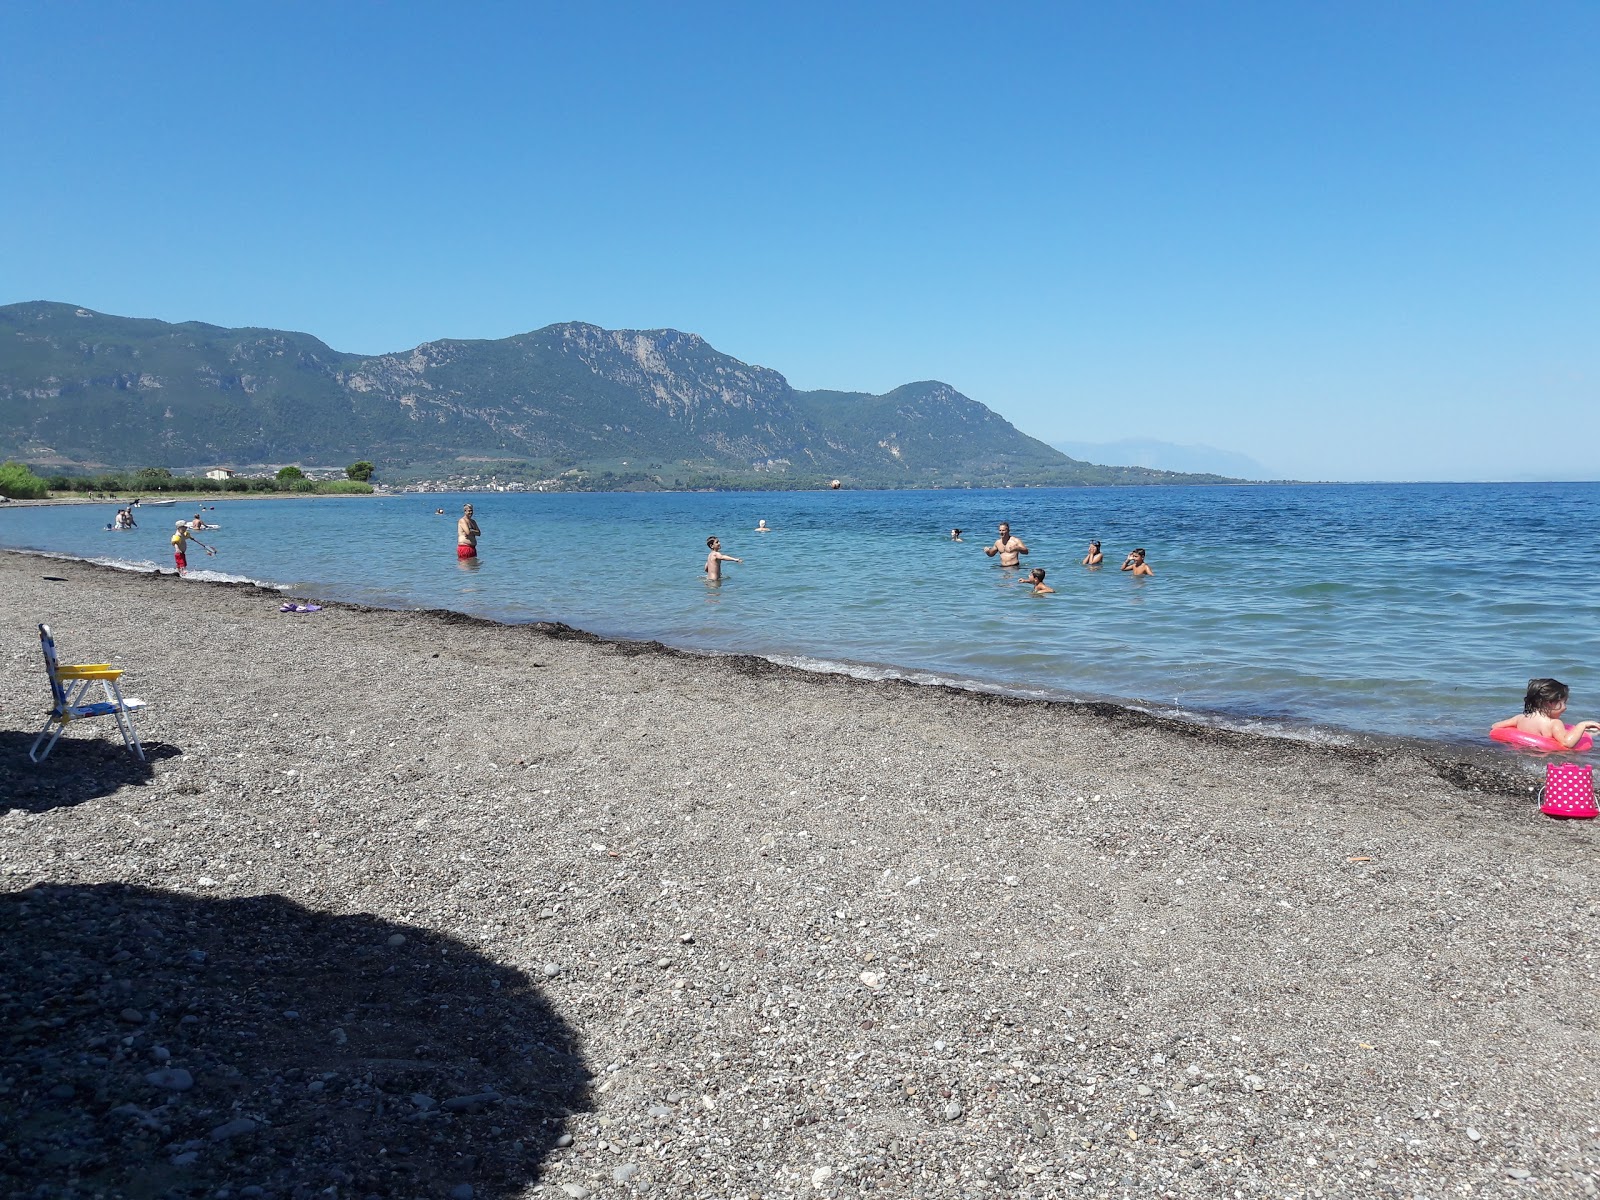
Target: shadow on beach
(78, 769)
(158, 1044)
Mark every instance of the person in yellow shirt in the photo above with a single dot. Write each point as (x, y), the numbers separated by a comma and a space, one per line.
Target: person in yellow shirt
(180, 542)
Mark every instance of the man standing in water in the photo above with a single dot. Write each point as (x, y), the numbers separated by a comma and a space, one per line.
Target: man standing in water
(467, 533)
(1006, 546)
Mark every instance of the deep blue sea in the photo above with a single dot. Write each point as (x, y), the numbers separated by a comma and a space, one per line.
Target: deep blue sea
(1416, 609)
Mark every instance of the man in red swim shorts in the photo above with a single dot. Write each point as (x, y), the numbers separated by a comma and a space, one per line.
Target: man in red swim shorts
(467, 532)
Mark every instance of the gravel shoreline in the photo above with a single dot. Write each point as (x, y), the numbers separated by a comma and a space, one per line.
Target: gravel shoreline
(739, 930)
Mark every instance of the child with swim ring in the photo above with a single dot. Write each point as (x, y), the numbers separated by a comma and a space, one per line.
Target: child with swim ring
(1539, 725)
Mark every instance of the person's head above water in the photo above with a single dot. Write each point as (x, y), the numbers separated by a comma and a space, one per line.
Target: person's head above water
(1037, 574)
(1094, 545)
(1546, 696)
(1005, 528)
(712, 543)
(466, 508)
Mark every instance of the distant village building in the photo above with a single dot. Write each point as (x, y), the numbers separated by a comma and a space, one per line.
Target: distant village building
(219, 473)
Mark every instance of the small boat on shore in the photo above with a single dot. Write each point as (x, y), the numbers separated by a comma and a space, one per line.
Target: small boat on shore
(156, 503)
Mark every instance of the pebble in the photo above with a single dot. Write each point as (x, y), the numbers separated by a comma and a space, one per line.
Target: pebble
(397, 939)
(461, 1191)
(186, 1159)
(457, 1103)
(625, 1172)
(952, 1111)
(1519, 1173)
(576, 1190)
(564, 1141)
(233, 1129)
(821, 1176)
(423, 1102)
(63, 1091)
(160, 1053)
(172, 1079)
(551, 970)
(1473, 1135)
(132, 1016)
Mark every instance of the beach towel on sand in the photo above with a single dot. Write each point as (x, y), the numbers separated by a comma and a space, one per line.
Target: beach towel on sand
(300, 608)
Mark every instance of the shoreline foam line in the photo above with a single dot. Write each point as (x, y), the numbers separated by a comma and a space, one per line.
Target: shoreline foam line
(1496, 772)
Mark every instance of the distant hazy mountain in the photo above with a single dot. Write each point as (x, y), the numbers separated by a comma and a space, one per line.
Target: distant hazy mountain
(1167, 456)
(653, 408)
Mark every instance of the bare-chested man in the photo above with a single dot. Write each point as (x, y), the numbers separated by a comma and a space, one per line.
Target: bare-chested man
(716, 558)
(467, 534)
(1006, 546)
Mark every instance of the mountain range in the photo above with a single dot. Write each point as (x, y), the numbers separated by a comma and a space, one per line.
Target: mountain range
(82, 389)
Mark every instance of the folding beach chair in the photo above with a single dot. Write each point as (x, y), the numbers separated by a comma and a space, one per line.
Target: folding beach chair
(68, 686)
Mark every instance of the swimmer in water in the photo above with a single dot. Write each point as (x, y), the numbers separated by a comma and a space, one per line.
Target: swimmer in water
(1094, 558)
(1006, 546)
(955, 535)
(1542, 706)
(1136, 564)
(716, 558)
(1040, 587)
(762, 526)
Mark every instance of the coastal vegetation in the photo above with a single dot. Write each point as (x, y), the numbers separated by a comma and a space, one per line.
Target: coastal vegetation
(602, 409)
(165, 482)
(17, 482)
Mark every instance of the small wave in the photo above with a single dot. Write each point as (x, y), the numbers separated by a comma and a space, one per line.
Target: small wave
(143, 566)
(208, 576)
(137, 566)
(1254, 726)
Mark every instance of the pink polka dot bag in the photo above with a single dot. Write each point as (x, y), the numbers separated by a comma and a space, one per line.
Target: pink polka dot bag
(1569, 791)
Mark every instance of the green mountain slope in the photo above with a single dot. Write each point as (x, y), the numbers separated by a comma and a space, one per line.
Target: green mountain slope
(80, 387)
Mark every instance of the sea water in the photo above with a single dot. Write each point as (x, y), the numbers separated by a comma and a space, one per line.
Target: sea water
(1312, 611)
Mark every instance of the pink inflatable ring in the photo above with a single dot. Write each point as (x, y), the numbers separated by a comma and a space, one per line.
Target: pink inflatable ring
(1532, 741)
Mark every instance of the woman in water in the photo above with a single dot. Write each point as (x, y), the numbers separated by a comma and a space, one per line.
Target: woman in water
(1094, 558)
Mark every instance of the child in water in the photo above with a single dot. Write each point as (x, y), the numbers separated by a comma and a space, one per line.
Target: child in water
(1040, 587)
(1541, 714)
(716, 558)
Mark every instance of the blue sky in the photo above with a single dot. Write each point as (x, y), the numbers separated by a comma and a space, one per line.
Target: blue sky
(1352, 241)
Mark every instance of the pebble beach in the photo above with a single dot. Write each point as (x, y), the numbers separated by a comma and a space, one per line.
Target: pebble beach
(410, 904)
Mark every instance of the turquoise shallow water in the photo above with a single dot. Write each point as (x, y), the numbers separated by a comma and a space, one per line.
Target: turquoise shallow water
(1411, 609)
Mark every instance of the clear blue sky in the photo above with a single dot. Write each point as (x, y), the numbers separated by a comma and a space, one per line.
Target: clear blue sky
(1353, 241)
